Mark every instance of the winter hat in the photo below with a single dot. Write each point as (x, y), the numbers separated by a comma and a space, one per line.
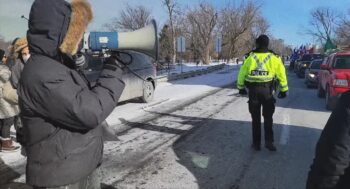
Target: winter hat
(2, 53)
(81, 16)
(262, 41)
(20, 44)
(17, 45)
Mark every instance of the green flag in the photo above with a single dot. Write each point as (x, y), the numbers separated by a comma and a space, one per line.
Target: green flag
(329, 45)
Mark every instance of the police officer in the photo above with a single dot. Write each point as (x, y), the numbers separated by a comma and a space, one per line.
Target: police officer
(258, 73)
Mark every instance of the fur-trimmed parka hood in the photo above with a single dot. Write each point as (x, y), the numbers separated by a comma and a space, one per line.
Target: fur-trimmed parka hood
(56, 27)
(17, 45)
(80, 18)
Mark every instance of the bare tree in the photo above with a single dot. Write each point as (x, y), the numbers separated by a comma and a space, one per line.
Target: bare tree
(260, 26)
(343, 34)
(202, 22)
(171, 8)
(130, 19)
(165, 43)
(234, 23)
(323, 23)
(277, 45)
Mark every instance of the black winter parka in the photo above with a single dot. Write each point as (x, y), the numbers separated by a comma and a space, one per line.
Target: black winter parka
(61, 114)
(330, 168)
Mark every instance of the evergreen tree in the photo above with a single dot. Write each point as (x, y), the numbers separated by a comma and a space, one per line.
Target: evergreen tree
(165, 44)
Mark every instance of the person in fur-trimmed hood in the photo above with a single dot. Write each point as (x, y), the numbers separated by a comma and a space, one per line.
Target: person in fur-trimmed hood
(20, 54)
(61, 113)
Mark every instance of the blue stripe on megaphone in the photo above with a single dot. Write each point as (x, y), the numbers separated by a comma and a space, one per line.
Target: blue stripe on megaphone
(103, 40)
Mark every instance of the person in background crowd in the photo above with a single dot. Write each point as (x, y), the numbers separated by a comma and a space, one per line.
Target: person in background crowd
(62, 114)
(7, 111)
(12, 56)
(20, 54)
(3, 58)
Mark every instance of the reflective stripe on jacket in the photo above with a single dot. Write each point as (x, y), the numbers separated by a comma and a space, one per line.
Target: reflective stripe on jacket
(262, 67)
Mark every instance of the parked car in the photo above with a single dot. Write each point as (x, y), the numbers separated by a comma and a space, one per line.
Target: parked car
(311, 73)
(140, 77)
(304, 63)
(334, 77)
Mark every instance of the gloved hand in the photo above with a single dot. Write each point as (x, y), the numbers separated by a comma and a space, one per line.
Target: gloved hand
(112, 63)
(282, 94)
(79, 60)
(242, 92)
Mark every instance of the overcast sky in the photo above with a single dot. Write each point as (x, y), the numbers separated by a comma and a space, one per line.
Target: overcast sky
(286, 17)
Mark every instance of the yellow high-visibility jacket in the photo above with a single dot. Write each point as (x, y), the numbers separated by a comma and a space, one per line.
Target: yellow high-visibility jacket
(262, 67)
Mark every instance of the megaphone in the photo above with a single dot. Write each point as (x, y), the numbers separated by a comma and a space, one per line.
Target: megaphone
(144, 40)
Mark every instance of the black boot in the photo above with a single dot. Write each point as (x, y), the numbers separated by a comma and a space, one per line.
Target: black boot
(270, 146)
(256, 147)
(7, 145)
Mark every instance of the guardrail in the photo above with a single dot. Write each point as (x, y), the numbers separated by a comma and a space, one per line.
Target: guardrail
(189, 74)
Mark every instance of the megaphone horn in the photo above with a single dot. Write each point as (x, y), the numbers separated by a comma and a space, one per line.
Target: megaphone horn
(144, 40)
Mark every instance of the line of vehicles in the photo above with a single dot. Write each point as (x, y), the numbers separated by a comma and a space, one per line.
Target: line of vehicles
(329, 74)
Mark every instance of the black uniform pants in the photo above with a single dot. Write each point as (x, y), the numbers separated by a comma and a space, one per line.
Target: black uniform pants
(260, 95)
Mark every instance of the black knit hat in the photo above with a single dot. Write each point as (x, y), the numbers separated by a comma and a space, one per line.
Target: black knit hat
(2, 53)
(262, 41)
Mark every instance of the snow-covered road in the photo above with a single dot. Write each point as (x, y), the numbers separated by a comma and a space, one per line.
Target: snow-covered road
(168, 97)
(198, 135)
(207, 145)
(173, 93)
